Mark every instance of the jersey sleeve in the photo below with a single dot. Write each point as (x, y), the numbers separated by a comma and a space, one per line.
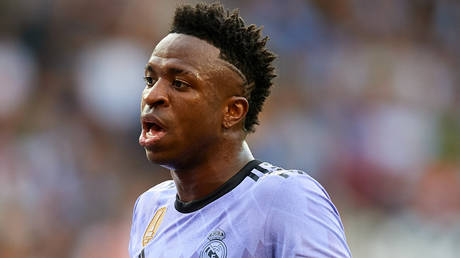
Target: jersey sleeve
(303, 222)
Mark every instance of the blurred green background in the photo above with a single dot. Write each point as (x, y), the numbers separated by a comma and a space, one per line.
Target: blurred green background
(367, 101)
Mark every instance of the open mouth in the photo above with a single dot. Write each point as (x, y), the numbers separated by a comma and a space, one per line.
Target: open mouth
(152, 128)
(151, 133)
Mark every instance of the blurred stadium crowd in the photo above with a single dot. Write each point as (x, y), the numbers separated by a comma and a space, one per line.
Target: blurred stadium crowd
(367, 101)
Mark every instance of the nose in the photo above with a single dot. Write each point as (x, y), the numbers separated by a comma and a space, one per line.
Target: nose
(156, 96)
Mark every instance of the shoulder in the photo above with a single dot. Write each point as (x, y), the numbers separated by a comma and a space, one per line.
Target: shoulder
(294, 196)
(156, 196)
(149, 201)
(164, 187)
(288, 186)
(301, 215)
(152, 199)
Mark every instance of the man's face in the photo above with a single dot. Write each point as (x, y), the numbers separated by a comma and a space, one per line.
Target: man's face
(183, 101)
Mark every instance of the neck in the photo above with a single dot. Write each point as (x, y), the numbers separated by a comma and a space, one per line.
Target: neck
(201, 180)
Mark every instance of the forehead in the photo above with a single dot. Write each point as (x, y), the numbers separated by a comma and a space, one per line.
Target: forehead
(187, 50)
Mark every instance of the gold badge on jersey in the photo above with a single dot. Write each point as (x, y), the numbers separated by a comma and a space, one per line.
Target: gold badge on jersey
(153, 225)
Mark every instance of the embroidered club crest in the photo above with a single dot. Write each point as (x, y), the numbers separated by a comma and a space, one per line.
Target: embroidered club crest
(215, 248)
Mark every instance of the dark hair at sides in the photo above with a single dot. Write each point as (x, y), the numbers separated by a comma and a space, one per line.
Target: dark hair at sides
(240, 45)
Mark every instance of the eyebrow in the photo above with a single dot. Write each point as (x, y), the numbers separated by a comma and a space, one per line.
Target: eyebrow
(171, 70)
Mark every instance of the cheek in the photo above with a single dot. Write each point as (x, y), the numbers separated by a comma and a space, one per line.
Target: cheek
(199, 117)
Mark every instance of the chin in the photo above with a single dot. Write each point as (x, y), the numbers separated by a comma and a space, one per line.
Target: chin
(168, 160)
(152, 157)
(158, 159)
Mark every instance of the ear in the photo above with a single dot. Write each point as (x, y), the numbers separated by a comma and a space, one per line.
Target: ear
(235, 111)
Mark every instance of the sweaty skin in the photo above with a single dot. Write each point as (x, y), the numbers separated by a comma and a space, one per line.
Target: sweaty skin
(196, 99)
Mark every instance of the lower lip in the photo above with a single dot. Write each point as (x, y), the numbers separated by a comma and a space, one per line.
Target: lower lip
(148, 138)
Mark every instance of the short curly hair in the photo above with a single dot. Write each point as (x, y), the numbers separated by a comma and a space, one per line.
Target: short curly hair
(240, 45)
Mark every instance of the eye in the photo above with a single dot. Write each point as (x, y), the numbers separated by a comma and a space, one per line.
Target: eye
(149, 81)
(180, 84)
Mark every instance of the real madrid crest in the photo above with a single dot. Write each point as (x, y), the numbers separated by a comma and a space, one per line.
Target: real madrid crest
(215, 248)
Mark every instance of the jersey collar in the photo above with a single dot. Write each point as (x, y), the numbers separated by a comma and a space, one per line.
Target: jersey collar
(234, 181)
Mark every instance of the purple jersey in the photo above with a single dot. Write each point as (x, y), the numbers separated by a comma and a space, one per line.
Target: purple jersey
(262, 211)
